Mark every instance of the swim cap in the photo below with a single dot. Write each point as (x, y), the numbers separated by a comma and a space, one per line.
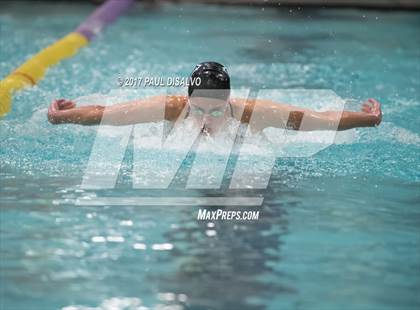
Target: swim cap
(213, 82)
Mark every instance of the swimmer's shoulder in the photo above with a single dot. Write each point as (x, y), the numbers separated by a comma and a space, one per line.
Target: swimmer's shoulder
(174, 106)
(242, 108)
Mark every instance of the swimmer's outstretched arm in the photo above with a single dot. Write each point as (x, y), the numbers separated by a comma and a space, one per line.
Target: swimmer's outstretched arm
(290, 117)
(140, 111)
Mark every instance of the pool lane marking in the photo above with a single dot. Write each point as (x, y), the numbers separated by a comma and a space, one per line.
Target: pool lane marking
(26, 76)
(34, 69)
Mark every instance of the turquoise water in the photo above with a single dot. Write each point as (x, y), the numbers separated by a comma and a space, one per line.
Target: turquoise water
(338, 230)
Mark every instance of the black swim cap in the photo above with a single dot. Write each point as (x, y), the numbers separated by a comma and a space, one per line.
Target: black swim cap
(214, 81)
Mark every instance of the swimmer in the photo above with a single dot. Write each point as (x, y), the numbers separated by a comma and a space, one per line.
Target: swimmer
(209, 104)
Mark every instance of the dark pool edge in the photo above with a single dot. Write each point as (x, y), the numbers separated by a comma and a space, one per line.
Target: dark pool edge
(343, 4)
(383, 5)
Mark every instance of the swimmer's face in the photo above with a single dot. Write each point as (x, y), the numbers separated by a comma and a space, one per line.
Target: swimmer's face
(210, 114)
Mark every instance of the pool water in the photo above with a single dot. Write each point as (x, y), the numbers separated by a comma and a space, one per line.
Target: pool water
(338, 230)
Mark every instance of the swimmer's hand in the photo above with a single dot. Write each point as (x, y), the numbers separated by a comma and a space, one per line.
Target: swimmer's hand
(63, 111)
(55, 115)
(373, 108)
